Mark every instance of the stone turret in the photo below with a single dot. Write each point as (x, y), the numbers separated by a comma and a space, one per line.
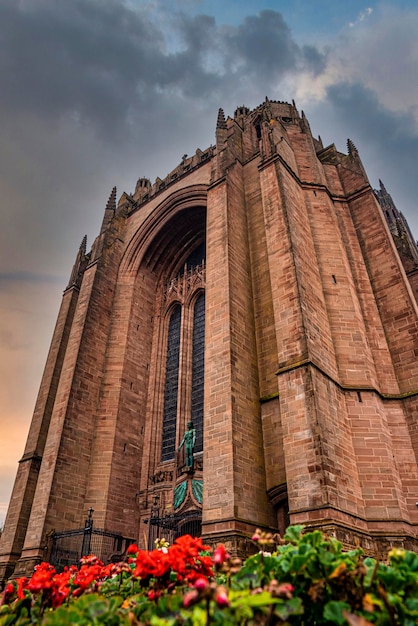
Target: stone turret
(143, 187)
(80, 265)
(110, 210)
(401, 233)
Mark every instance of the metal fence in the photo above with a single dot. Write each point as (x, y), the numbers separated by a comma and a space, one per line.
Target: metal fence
(69, 546)
(170, 527)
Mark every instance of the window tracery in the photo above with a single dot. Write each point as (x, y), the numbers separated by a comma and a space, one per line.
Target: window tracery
(184, 297)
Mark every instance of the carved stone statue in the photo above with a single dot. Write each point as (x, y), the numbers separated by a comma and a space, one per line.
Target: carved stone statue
(189, 439)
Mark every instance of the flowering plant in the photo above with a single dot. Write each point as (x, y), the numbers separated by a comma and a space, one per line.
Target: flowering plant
(300, 579)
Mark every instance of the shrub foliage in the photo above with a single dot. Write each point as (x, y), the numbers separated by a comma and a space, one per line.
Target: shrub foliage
(302, 579)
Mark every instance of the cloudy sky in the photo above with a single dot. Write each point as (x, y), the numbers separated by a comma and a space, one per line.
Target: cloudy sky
(96, 93)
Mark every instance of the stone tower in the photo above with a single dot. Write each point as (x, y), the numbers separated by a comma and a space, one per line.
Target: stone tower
(405, 243)
(257, 292)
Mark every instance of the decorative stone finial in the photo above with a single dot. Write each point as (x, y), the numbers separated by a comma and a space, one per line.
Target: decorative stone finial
(110, 210)
(111, 203)
(80, 265)
(83, 245)
(351, 148)
(221, 122)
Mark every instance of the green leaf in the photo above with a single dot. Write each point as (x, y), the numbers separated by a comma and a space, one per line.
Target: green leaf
(298, 562)
(8, 620)
(333, 611)
(162, 621)
(198, 616)
(253, 599)
(241, 613)
(411, 560)
(412, 605)
(393, 580)
(293, 606)
(293, 533)
(97, 608)
(314, 539)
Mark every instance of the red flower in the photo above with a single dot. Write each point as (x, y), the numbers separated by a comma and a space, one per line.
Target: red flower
(87, 575)
(191, 545)
(7, 593)
(108, 570)
(133, 549)
(201, 583)
(191, 597)
(90, 560)
(183, 558)
(155, 564)
(154, 595)
(42, 578)
(21, 585)
(220, 555)
(221, 598)
(61, 587)
(285, 590)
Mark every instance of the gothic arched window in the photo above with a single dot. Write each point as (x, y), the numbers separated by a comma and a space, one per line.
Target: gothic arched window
(198, 364)
(184, 371)
(171, 386)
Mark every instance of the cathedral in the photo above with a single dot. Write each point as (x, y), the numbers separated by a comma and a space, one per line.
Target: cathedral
(238, 349)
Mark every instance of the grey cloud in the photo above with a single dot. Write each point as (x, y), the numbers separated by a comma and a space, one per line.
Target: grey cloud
(314, 60)
(385, 140)
(84, 58)
(97, 93)
(264, 44)
(94, 92)
(197, 31)
(99, 61)
(187, 69)
(360, 105)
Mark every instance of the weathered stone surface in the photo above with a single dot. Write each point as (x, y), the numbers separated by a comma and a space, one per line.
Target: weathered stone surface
(311, 345)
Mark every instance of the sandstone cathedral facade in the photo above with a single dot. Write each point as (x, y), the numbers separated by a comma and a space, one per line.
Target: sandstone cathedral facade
(257, 292)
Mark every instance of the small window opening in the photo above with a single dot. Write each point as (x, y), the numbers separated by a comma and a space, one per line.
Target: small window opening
(334, 280)
(359, 398)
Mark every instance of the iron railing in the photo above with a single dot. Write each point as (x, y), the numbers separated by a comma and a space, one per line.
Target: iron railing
(69, 546)
(170, 527)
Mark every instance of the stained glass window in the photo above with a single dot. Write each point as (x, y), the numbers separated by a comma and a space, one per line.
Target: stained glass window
(171, 386)
(198, 369)
(187, 325)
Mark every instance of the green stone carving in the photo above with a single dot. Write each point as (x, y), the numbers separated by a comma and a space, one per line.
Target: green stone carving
(197, 489)
(180, 494)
